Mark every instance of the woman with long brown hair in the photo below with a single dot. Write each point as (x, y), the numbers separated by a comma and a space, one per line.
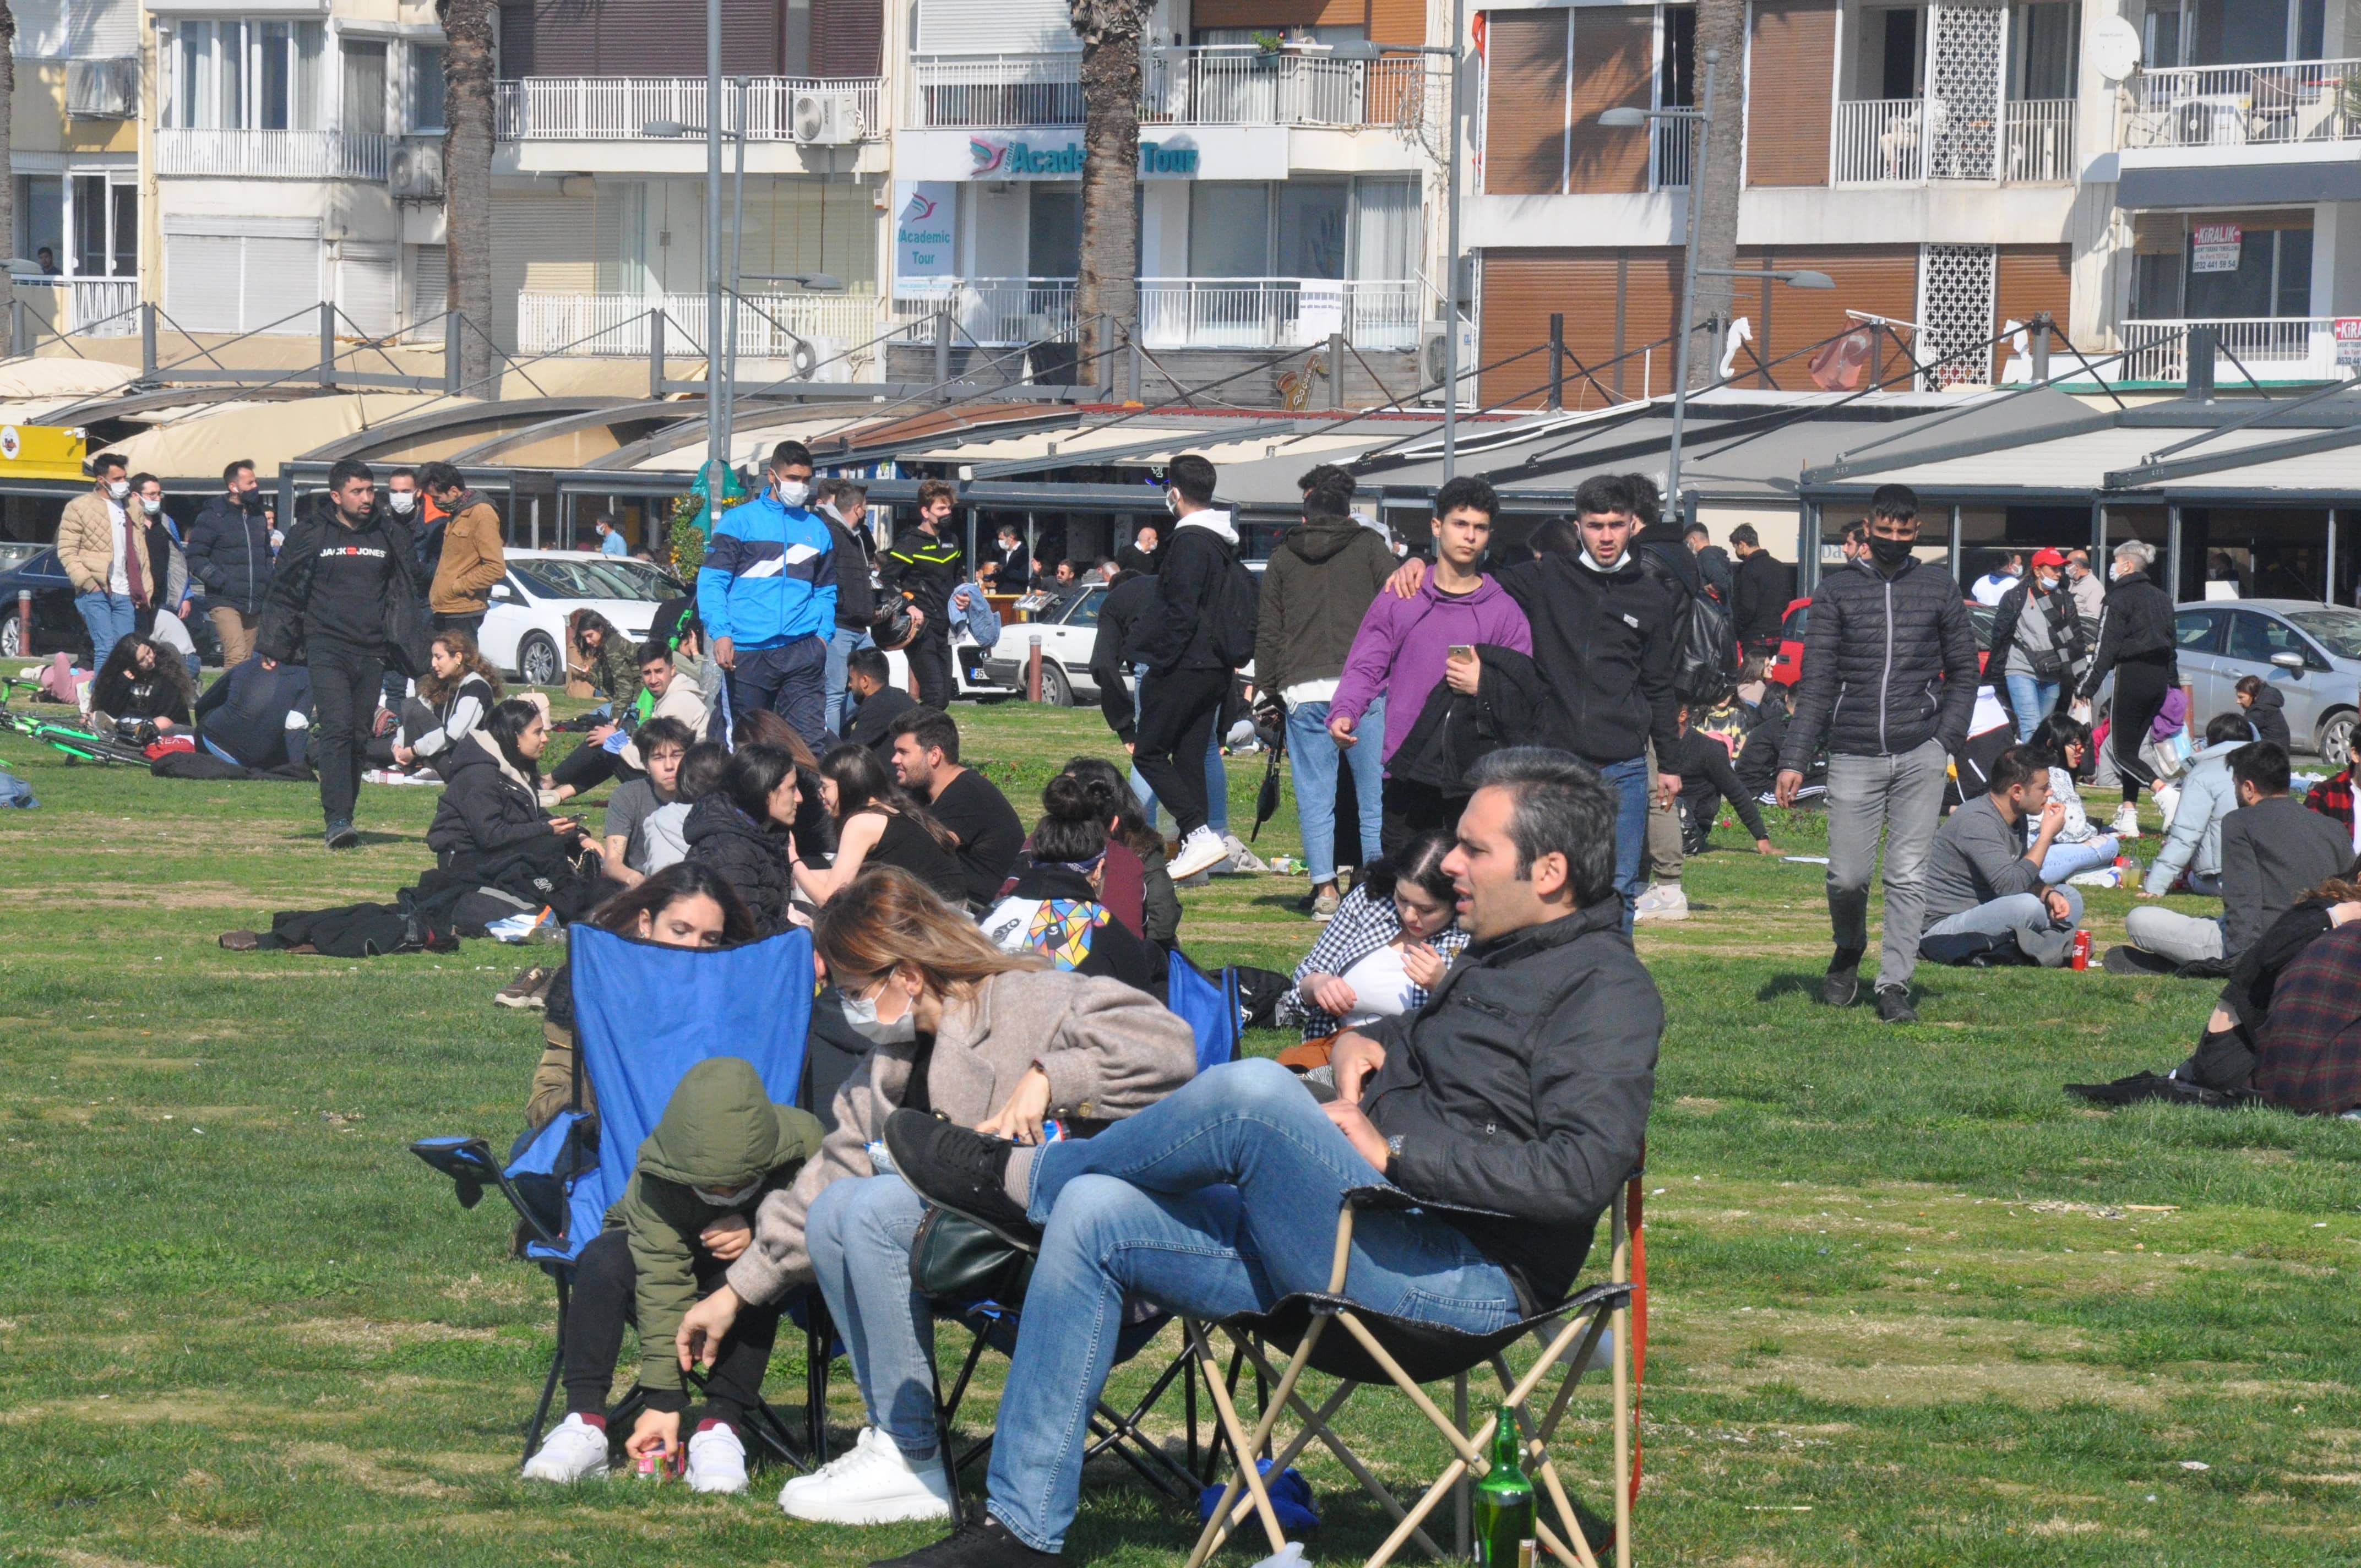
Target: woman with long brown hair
(604, 657)
(458, 688)
(996, 1041)
(877, 823)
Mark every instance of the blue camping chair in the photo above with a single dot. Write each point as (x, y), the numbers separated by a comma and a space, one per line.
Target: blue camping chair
(1210, 1006)
(644, 1014)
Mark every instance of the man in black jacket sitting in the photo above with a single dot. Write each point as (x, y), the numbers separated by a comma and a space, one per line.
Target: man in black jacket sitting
(1520, 1088)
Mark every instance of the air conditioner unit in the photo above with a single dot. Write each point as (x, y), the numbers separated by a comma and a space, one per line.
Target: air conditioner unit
(1430, 368)
(103, 89)
(415, 172)
(826, 119)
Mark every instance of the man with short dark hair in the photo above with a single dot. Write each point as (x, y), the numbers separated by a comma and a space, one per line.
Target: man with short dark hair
(1009, 570)
(1890, 679)
(474, 553)
(1713, 561)
(1761, 587)
(1984, 881)
(229, 554)
(344, 601)
(611, 537)
(767, 593)
(880, 704)
(982, 822)
(922, 567)
(1517, 1094)
(2006, 573)
(103, 550)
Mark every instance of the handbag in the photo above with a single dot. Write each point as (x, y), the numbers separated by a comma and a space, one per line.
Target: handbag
(953, 1258)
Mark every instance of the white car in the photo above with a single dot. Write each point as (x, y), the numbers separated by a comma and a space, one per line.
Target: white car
(524, 630)
(1067, 628)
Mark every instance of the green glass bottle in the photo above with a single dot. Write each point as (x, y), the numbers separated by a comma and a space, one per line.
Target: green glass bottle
(1504, 1504)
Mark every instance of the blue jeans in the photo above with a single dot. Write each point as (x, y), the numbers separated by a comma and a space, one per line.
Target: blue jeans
(1220, 1198)
(1217, 778)
(1315, 783)
(1636, 786)
(846, 641)
(791, 680)
(859, 1233)
(2033, 699)
(2071, 860)
(2045, 938)
(110, 618)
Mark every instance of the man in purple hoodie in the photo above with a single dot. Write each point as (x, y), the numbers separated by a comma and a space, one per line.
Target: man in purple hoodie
(1403, 644)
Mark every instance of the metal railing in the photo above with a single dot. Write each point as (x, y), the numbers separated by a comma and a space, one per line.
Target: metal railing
(1214, 85)
(616, 327)
(1268, 313)
(1880, 141)
(2039, 149)
(594, 109)
(1675, 141)
(992, 313)
(1908, 141)
(2286, 348)
(272, 155)
(982, 91)
(2277, 103)
(93, 307)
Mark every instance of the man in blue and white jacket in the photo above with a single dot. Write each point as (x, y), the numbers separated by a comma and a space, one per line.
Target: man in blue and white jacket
(768, 596)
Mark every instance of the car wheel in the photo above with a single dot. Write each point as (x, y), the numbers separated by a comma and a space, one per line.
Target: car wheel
(1056, 691)
(2336, 736)
(11, 637)
(537, 661)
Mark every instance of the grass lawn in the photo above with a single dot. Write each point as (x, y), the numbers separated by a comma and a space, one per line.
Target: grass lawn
(1911, 1303)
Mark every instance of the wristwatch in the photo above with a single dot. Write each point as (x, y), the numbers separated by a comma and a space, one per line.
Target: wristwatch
(1393, 1153)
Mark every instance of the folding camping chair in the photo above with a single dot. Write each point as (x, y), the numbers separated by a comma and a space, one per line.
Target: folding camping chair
(1376, 1350)
(643, 1016)
(1209, 1007)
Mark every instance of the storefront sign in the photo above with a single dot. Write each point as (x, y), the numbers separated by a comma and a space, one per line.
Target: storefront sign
(2348, 340)
(2213, 248)
(42, 452)
(923, 230)
(1005, 157)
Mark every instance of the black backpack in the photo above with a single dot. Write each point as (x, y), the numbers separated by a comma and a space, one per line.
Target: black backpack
(1234, 613)
(1705, 644)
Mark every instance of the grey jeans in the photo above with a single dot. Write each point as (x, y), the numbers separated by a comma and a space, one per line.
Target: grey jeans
(1901, 797)
(2045, 940)
(2168, 933)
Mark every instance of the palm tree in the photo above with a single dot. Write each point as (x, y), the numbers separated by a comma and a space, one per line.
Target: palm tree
(1714, 176)
(467, 65)
(7, 107)
(1106, 293)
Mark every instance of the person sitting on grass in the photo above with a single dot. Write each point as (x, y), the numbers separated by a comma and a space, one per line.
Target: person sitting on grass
(814, 834)
(720, 1150)
(489, 807)
(2272, 850)
(459, 688)
(667, 828)
(1055, 904)
(2193, 844)
(1137, 886)
(258, 717)
(1392, 939)
(608, 752)
(1702, 759)
(879, 704)
(877, 823)
(996, 1041)
(2266, 711)
(984, 826)
(603, 658)
(142, 681)
(663, 741)
(2061, 741)
(1521, 1089)
(1984, 881)
(740, 830)
(2332, 796)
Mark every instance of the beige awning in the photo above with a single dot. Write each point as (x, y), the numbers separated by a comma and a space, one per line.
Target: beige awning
(267, 434)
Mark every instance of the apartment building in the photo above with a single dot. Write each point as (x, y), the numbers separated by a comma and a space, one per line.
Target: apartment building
(1952, 166)
(74, 144)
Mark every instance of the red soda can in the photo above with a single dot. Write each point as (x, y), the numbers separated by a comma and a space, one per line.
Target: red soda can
(2081, 956)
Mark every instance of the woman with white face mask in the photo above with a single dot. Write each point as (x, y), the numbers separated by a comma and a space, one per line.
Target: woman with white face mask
(996, 1041)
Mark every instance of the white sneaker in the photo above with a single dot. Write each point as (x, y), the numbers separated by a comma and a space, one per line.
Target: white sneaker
(717, 1461)
(872, 1482)
(1662, 901)
(1201, 851)
(576, 1450)
(2126, 822)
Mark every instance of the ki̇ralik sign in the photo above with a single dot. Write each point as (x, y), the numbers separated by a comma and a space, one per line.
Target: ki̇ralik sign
(1007, 158)
(2213, 248)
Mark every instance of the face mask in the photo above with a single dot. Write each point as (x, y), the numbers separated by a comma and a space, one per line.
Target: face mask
(731, 1199)
(1172, 502)
(402, 501)
(118, 488)
(794, 492)
(2049, 585)
(150, 508)
(1889, 552)
(861, 1013)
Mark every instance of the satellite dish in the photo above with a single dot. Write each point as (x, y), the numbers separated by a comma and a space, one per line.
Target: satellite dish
(2115, 48)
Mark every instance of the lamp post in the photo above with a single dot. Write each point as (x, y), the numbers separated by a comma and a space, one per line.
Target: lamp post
(1628, 119)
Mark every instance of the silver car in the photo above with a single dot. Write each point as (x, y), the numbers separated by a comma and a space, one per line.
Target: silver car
(2309, 652)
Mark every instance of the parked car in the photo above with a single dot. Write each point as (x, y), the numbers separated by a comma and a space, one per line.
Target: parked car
(2308, 651)
(1067, 630)
(57, 624)
(524, 630)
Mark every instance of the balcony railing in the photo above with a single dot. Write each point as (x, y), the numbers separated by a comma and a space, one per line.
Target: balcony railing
(617, 326)
(2276, 104)
(1175, 312)
(1675, 140)
(1208, 86)
(92, 307)
(594, 109)
(1880, 141)
(2039, 149)
(272, 155)
(991, 312)
(1908, 141)
(2272, 348)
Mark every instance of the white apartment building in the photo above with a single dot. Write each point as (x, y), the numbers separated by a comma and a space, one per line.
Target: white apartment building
(75, 152)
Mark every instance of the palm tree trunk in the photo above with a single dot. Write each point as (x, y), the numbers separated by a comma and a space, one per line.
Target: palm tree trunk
(1106, 293)
(467, 66)
(7, 150)
(1714, 180)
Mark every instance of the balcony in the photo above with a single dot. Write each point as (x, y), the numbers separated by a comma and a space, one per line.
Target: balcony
(2271, 349)
(91, 307)
(823, 110)
(1675, 144)
(1911, 141)
(1208, 86)
(230, 154)
(838, 327)
(2277, 103)
(1180, 312)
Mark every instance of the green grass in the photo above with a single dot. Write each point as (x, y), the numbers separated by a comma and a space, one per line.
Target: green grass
(1911, 1304)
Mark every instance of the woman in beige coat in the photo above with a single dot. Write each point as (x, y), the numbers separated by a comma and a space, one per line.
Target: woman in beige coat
(995, 1041)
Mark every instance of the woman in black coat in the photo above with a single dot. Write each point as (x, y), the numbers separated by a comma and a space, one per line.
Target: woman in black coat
(489, 806)
(742, 831)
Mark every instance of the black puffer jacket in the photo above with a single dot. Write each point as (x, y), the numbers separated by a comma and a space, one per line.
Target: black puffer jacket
(1761, 587)
(485, 808)
(1523, 1087)
(749, 858)
(2134, 623)
(1889, 663)
(229, 553)
(1604, 643)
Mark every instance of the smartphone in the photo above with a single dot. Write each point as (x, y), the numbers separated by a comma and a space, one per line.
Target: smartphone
(1462, 651)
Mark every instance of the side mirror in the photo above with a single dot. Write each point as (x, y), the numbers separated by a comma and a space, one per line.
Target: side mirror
(2289, 661)
(500, 591)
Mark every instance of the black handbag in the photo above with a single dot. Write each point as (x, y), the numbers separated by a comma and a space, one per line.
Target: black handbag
(953, 1258)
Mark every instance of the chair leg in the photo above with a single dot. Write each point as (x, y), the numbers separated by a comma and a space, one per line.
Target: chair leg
(1318, 1423)
(1248, 1476)
(1620, 1267)
(548, 1383)
(821, 1330)
(1460, 1541)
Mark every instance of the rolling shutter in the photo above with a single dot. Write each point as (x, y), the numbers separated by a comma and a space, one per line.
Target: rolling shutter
(1006, 26)
(262, 273)
(1616, 303)
(1614, 62)
(2027, 281)
(367, 287)
(846, 38)
(1525, 103)
(1879, 280)
(430, 282)
(541, 244)
(201, 273)
(1790, 70)
(281, 288)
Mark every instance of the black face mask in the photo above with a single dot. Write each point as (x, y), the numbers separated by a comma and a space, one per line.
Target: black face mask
(1890, 552)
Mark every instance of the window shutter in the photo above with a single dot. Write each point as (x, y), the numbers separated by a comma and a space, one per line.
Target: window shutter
(101, 30)
(1614, 59)
(430, 283)
(540, 244)
(367, 287)
(1790, 74)
(1006, 26)
(201, 288)
(281, 286)
(1524, 102)
(1615, 302)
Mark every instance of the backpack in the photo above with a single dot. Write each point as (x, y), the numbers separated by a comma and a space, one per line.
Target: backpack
(1705, 644)
(1234, 613)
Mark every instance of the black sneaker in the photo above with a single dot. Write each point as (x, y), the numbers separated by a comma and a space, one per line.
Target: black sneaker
(1841, 986)
(961, 1170)
(985, 1545)
(1894, 1006)
(343, 835)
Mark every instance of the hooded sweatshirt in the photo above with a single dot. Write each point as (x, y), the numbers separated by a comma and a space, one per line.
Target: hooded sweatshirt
(719, 1133)
(1399, 650)
(1319, 582)
(1175, 631)
(2193, 843)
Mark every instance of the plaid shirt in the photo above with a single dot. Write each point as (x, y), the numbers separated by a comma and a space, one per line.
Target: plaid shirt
(2332, 796)
(2308, 1054)
(1361, 926)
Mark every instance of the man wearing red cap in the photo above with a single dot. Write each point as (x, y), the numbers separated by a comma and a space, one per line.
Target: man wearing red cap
(2036, 642)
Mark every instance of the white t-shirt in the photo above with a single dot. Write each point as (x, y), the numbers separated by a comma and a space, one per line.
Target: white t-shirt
(1302, 692)
(119, 575)
(1992, 588)
(1379, 983)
